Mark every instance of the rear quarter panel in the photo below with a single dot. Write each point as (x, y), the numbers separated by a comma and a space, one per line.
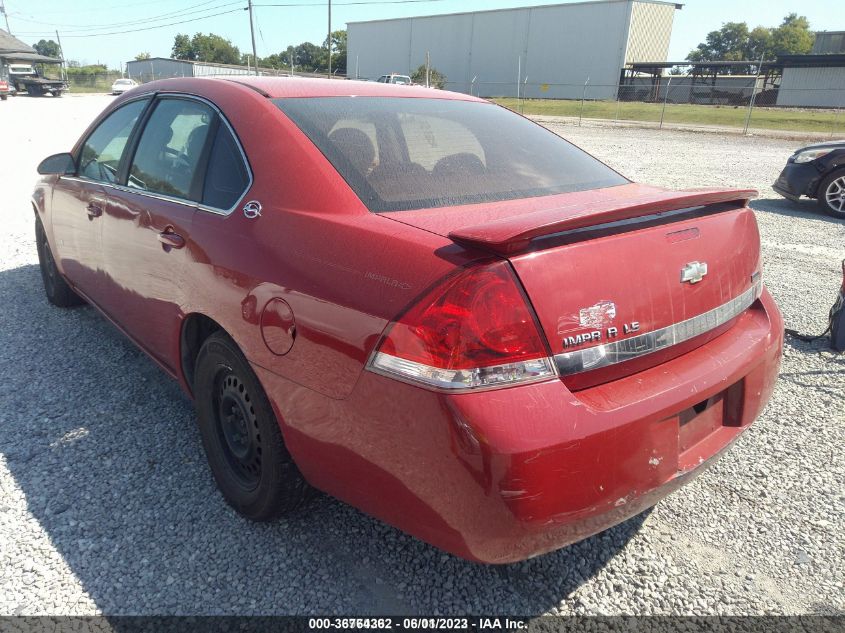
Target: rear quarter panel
(345, 272)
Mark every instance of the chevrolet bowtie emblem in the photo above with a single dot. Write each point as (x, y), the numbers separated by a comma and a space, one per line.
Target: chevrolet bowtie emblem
(693, 272)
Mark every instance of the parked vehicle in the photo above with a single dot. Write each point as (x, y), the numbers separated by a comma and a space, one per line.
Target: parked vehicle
(816, 171)
(26, 78)
(122, 85)
(430, 308)
(394, 78)
(5, 88)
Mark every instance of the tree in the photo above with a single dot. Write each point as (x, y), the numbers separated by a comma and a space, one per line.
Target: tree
(182, 47)
(735, 42)
(142, 56)
(207, 48)
(726, 44)
(338, 51)
(49, 48)
(793, 36)
(436, 78)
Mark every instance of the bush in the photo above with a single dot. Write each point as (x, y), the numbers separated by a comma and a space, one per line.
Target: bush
(436, 78)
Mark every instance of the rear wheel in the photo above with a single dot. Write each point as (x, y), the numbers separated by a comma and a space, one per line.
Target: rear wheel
(241, 436)
(3, 97)
(58, 292)
(832, 194)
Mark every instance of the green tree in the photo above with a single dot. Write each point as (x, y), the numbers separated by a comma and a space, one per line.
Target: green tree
(436, 78)
(207, 48)
(182, 47)
(759, 44)
(142, 56)
(215, 48)
(338, 50)
(735, 42)
(728, 43)
(793, 36)
(48, 48)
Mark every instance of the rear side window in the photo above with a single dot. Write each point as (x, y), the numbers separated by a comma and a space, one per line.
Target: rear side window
(409, 153)
(100, 156)
(170, 149)
(227, 178)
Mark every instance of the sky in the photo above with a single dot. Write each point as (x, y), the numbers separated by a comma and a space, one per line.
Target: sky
(129, 23)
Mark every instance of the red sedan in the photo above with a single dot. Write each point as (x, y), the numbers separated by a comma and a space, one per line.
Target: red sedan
(420, 303)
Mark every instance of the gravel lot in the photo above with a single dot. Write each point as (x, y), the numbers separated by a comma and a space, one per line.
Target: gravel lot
(107, 506)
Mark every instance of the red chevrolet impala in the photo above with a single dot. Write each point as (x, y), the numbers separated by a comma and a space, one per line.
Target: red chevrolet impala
(416, 301)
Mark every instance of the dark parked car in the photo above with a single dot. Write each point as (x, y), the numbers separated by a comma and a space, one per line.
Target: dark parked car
(816, 171)
(419, 302)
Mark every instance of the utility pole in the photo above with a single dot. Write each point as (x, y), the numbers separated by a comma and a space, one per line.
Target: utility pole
(62, 53)
(330, 40)
(3, 11)
(252, 34)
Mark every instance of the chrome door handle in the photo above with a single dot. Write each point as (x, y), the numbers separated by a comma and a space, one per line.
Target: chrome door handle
(171, 240)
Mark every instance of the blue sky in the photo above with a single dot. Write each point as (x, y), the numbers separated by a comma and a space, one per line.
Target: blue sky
(279, 26)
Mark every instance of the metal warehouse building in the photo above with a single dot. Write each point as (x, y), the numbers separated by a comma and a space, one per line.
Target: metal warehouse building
(145, 70)
(812, 81)
(556, 47)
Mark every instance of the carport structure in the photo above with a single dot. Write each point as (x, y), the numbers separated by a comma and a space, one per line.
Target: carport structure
(13, 50)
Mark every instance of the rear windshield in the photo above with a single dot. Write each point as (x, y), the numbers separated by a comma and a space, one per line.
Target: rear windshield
(407, 153)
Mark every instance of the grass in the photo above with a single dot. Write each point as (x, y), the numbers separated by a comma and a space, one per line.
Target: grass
(797, 120)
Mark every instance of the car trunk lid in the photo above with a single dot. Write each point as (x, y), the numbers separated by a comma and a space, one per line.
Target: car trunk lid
(634, 275)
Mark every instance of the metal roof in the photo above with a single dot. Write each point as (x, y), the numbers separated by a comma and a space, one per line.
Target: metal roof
(805, 61)
(12, 49)
(10, 44)
(678, 6)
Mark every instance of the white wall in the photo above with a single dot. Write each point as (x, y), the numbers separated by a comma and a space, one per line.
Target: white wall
(559, 47)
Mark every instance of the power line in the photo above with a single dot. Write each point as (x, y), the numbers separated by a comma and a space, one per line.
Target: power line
(78, 28)
(150, 28)
(321, 6)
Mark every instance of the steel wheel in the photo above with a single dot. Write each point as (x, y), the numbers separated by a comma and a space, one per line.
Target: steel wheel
(241, 434)
(49, 273)
(58, 292)
(237, 427)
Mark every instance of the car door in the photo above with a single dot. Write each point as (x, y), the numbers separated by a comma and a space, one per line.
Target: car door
(79, 200)
(147, 224)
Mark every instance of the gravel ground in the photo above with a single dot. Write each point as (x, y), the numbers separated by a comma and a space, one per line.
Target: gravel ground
(107, 506)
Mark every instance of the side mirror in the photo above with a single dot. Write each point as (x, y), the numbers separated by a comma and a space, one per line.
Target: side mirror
(60, 164)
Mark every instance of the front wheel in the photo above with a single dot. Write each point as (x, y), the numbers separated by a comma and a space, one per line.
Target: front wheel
(241, 436)
(58, 292)
(832, 194)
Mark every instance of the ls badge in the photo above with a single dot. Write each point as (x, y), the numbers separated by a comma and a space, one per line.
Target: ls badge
(693, 272)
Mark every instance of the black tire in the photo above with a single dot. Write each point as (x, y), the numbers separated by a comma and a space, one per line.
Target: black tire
(58, 292)
(3, 97)
(32, 91)
(831, 181)
(241, 436)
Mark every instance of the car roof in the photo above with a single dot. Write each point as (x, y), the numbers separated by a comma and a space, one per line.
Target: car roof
(281, 87)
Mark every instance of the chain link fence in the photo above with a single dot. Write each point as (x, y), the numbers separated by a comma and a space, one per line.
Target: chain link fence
(733, 103)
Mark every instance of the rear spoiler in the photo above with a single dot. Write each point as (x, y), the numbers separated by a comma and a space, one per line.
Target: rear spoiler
(512, 234)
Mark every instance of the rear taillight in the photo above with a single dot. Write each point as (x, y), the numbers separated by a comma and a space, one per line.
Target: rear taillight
(473, 330)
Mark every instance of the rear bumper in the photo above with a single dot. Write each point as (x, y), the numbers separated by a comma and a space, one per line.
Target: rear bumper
(500, 476)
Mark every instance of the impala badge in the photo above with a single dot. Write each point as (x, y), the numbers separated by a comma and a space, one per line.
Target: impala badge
(252, 209)
(693, 272)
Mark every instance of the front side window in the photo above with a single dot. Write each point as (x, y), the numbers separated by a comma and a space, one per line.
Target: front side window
(170, 149)
(100, 156)
(412, 153)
